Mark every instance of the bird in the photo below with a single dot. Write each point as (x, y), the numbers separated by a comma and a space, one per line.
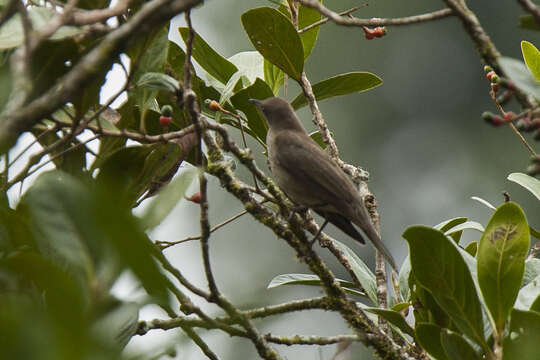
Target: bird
(311, 178)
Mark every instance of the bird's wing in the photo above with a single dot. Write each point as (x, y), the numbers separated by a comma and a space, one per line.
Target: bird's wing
(317, 171)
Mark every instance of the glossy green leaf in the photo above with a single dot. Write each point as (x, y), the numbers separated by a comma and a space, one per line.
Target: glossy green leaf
(429, 338)
(394, 318)
(439, 267)
(522, 341)
(311, 280)
(472, 225)
(532, 270)
(472, 248)
(528, 22)
(520, 75)
(158, 81)
(214, 64)
(456, 347)
(274, 36)
(273, 76)
(528, 294)
(339, 85)
(259, 90)
(317, 137)
(306, 17)
(449, 224)
(361, 270)
(399, 307)
(531, 56)
(528, 182)
(501, 260)
(160, 206)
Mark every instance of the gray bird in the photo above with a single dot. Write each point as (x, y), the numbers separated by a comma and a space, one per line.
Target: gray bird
(310, 177)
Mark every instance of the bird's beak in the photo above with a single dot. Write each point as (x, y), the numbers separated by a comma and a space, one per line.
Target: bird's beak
(255, 102)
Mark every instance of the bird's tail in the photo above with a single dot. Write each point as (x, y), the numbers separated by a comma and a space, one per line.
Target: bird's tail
(363, 221)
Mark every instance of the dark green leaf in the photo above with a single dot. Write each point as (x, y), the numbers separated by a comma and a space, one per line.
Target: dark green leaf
(164, 202)
(339, 85)
(472, 225)
(449, 224)
(528, 182)
(259, 90)
(520, 75)
(394, 318)
(522, 341)
(399, 307)
(273, 76)
(429, 338)
(531, 56)
(6, 82)
(214, 64)
(118, 325)
(362, 272)
(440, 268)
(472, 248)
(158, 81)
(528, 22)
(456, 347)
(317, 137)
(275, 37)
(535, 306)
(306, 17)
(501, 260)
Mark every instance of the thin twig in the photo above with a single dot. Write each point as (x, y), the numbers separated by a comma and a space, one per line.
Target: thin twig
(351, 21)
(325, 20)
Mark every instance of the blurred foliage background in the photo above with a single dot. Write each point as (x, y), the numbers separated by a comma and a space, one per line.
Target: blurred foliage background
(420, 135)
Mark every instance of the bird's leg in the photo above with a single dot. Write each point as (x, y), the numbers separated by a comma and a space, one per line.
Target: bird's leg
(318, 232)
(297, 209)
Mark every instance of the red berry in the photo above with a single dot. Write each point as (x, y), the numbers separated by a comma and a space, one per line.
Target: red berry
(165, 120)
(497, 120)
(196, 198)
(509, 116)
(379, 31)
(490, 74)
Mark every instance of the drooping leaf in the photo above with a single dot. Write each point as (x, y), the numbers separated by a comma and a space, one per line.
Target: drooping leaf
(483, 202)
(472, 225)
(361, 270)
(532, 270)
(531, 55)
(429, 338)
(273, 76)
(259, 90)
(456, 347)
(440, 268)
(158, 81)
(394, 318)
(306, 17)
(275, 37)
(528, 182)
(213, 63)
(167, 198)
(528, 294)
(312, 280)
(522, 340)
(501, 260)
(449, 224)
(520, 75)
(339, 85)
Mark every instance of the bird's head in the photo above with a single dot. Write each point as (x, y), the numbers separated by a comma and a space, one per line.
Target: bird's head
(278, 113)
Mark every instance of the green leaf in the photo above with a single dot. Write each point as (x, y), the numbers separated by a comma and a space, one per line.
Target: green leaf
(399, 307)
(230, 87)
(259, 90)
(250, 64)
(118, 325)
(6, 81)
(501, 260)
(158, 81)
(532, 270)
(403, 279)
(213, 63)
(472, 225)
(339, 85)
(273, 76)
(275, 37)
(528, 182)
(531, 56)
(394, 318)
(535, 306)
(520, 75)
(456, 347)
(472, 248)
(361, 270)
(167, 198)
(528, 22)
(528, 294)
(483, 202)
(311, 280)
(522, 341)
(449, 224)
(306, 17)
(317, 137)
(429, 338)
(439, 267)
